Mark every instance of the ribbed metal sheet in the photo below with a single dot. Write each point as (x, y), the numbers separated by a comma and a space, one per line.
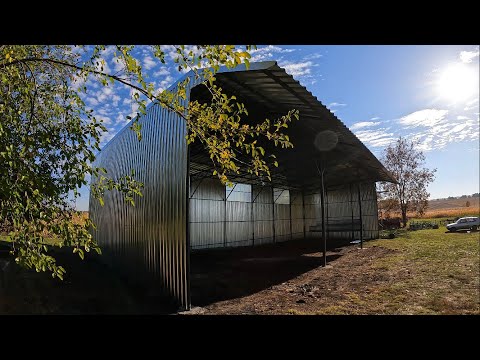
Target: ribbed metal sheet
(343, 205)
(298, 226)
(263, 214)
(313, 212)
(210, 228)
(148, 240)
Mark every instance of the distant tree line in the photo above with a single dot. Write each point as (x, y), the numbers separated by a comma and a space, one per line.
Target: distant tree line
(460, 197)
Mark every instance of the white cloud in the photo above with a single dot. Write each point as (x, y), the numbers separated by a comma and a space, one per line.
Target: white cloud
(118, 65)
(104, 93)
(267, 52)
(458, 128)
(376, 138)
(103, 111)
(468, 56)
(426, 117)
(270, 49)
(472, 104)
(166, 82)
(121, 119)
(105, 119)
(298, 69)
(148, 62)
(107, 136)
(313, 56)
(162, 72)
(375, 118)
(473, 101)
(439, 136)
(115, 100)
(108, 51)
(363, 124)
(335, 104)
(91, 101)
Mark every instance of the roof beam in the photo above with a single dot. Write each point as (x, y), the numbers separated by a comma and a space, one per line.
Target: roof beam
(250, 89)
(286, 87)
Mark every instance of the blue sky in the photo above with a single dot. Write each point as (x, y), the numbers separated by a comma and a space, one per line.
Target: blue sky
(428, 93)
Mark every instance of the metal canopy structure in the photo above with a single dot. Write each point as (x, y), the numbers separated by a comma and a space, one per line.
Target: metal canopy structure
(268, 91)
(184, 207)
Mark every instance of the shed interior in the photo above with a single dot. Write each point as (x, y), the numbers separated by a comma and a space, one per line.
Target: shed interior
(256, 211)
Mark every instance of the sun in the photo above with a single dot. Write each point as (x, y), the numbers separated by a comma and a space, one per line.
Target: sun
(457, 82)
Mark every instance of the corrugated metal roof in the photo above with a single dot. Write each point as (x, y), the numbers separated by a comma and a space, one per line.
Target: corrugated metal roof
(271, 92)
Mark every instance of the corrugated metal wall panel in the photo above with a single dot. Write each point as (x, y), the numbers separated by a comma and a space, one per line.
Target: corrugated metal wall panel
(208, 209)
(339, 208)
(313, 213)
(296, 199)
(148, 240)
(369, 210)
(282, 222)
(342, 204)
(239, 224)
(207, 214)
(263, 214)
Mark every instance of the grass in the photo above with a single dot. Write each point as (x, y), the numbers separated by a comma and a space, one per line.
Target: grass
(443, 273)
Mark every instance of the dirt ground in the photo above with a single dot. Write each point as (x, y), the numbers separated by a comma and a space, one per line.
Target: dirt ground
(286, 278)
(422, 272)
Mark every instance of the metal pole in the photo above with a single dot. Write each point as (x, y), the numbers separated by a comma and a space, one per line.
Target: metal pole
(225, 221)
(351, 207)
(252, 216)
(360, 214)
(324, 238)
(273, 216)
(303, 211)
(187, 299)
(290, 209)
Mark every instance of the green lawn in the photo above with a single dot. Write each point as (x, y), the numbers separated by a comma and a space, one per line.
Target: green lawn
(443, 269)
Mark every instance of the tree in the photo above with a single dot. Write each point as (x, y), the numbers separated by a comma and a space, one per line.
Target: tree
(48, 136)
(467, 204)
(405, 162)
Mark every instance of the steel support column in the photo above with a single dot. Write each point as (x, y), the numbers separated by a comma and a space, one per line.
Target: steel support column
(360, 214)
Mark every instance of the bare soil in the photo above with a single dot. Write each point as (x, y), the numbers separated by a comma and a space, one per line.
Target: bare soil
(286, 278)
(420, 272)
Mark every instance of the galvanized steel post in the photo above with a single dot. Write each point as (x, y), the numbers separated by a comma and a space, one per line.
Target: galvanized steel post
(273, 216)
(360, 214)
(324, 230)
(303, 211)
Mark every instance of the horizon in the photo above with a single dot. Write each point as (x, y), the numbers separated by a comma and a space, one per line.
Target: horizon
(427, 93)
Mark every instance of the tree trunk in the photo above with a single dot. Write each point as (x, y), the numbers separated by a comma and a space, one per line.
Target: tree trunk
(404, 217)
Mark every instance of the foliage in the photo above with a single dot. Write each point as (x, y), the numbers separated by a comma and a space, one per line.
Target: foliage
(405, 162)
(48, 137)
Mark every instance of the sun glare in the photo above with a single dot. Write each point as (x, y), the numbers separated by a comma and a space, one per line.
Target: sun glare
(457, 82)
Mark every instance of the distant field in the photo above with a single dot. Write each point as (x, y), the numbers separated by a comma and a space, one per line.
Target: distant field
(452, 208)
(447, 208)
(453, 203)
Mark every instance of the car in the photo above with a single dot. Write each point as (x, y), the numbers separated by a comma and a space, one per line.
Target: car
(465, 223)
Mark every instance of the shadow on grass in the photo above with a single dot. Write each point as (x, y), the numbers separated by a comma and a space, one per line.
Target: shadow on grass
(89, 287)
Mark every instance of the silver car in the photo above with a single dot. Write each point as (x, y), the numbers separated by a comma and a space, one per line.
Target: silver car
(465, 223)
